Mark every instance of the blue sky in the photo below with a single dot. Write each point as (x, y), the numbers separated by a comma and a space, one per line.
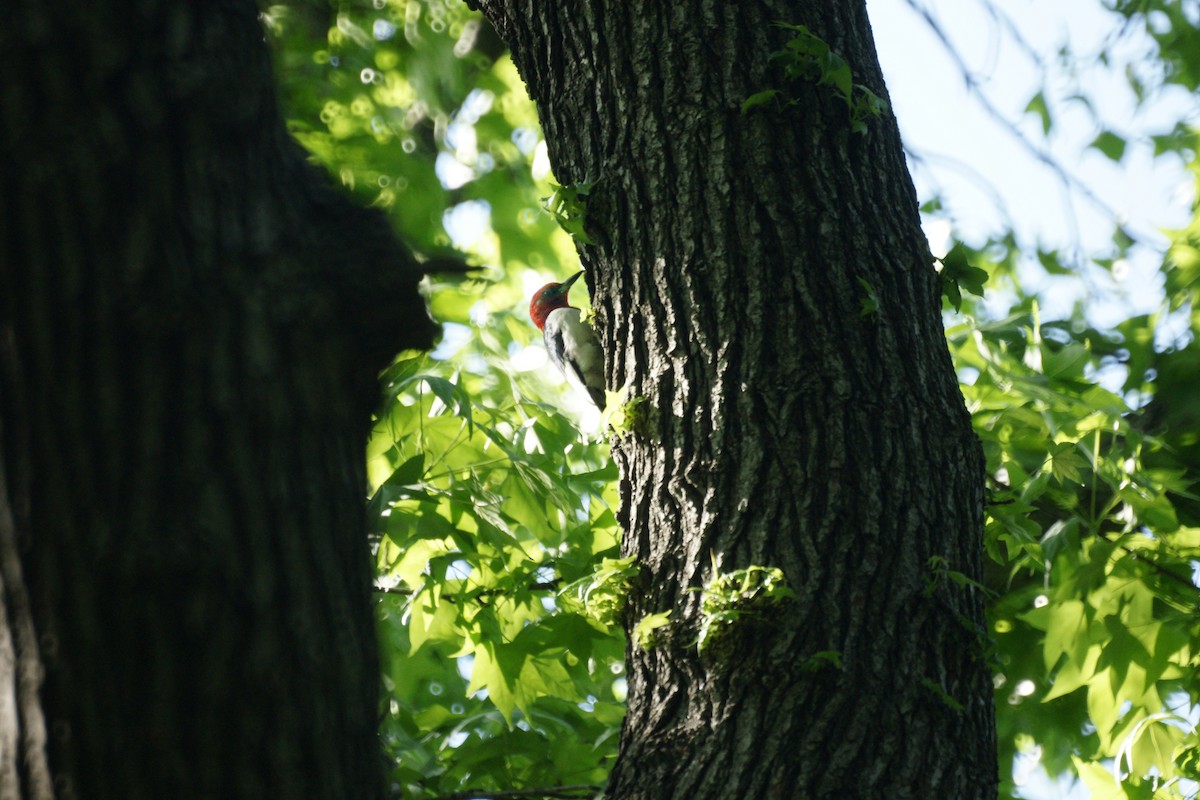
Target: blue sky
(983, 169)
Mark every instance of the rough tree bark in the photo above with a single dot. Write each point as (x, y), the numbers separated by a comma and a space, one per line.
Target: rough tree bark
(191, 324)
(733, 255)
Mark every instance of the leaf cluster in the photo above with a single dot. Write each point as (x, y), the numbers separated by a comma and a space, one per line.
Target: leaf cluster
(496, 546)
(958, 275)
(601, 595)
(807, 57)
(630, 415)
(731, 596)
(646, 633)
(568, 206)
(1093, 533)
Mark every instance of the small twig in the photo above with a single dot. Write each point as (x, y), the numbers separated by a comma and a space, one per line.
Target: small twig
(540, 586)
(1007, 23)
(1169, 574)
(580, 792)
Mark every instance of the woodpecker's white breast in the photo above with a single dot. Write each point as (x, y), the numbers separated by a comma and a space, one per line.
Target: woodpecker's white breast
(573, 346)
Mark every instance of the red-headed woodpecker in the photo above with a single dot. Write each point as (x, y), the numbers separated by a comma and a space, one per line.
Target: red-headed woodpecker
(572, 345)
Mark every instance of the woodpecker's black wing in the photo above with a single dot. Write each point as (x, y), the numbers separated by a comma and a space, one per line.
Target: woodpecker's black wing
(573, 346)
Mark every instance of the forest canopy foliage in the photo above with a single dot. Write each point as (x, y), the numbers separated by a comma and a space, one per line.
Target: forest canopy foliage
(492, 495)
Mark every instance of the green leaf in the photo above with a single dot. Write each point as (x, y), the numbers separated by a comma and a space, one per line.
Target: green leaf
(942, 695)
(869, 303)
(958, 274)
(808, 57)
(601, 594)
(1102, 706)
(1153, 746)
(837, 73)
(1037, 105)
(568, 206)
(1110, 144)
(1050, 262)
(1062, 535)
(1187, 758)
(1065, 362)
(410, 472)
(1099, 781)
(527, 506)
(433, 621)
(759, 99)
(821, 660)
(644, 631)
(1074, 674)
(1066, 632)
(561, 633)
(497, 674)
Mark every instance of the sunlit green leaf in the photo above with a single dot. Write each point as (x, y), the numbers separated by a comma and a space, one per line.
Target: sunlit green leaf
(1110, 144)
(1037, 105)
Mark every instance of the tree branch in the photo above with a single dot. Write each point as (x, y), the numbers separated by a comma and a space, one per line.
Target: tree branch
(1165, 572)
(578, 792)
(540, 586)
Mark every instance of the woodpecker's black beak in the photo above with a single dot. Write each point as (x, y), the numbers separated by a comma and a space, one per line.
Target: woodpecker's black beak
(566, 285)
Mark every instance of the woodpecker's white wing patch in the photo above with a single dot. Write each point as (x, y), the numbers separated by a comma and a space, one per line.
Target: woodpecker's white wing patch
(573, 346)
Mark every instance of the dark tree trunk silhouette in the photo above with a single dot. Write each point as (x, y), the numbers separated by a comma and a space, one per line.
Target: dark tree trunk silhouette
(191, 323)
(737, 261)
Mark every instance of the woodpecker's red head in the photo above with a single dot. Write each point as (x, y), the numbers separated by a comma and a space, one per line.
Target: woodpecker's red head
(548, 298)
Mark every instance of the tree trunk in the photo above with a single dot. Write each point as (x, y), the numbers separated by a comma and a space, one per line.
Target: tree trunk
(190, 327)
(737, 259)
